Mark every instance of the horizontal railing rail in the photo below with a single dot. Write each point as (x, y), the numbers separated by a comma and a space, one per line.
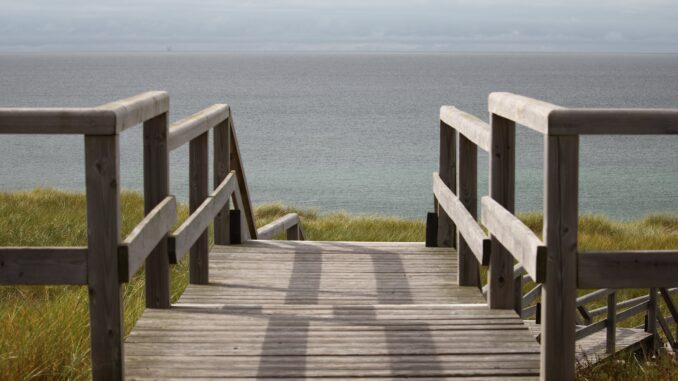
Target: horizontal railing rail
(289, 223)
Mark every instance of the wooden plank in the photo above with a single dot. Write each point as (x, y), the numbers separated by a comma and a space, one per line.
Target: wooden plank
(57, 121)
(194, 226)
(447, 170)
(473, 235)
(559, 291)
(243, 230)
(236, 224)
(43, 265)
(278, 226)
(468, 273)
(198, 168)
(611, 325)
(614, 122)
(237, 166)
(137, 109)
(595, 295)
(502, 190)
(156, 188)
(529, 112)
(627, 269)
(102, 169)
(472, 128)
(189, 128)
(145, 236)
(221, 167)
(517, 238)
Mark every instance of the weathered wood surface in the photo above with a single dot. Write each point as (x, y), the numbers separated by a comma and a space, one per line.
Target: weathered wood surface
(303, 309)
(468, 125)
(447, 170)
(43, 265)
(145, 236)
(56, 121)
(627, 269)
(278, 226)
(529, 112)
(593, 348)
(198, 179)
(613, 122)
(137, 109)
(468, 227)
(244, 193)
(221, 167)
(517, 238)
(189, 128)
(467, 193)
(194, 226)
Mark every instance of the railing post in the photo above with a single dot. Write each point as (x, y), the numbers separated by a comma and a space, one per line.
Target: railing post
(468, 269)
(102, 178)
(652, 319)
(293, 233)
(502, 190)
(156, 188)
(611, 324)
(235, 222)
(221, 168)
(198, 192)
(447, 172)
(559, 291)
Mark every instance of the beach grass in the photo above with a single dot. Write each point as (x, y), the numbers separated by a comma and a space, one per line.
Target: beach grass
(44, 330)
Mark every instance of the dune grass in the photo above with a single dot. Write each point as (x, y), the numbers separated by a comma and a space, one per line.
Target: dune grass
(44, 334)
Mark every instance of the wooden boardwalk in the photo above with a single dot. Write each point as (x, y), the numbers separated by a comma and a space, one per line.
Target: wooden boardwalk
(303, 309)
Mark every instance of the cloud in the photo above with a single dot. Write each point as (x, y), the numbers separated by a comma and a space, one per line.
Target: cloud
(626, 25)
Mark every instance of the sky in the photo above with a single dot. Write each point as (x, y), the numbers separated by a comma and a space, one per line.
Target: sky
(340, 25)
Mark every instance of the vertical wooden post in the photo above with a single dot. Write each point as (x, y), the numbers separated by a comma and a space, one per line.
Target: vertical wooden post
(652, 319)
(156, 188)
(611, 323)
(431, 230)
(293, 233)
(468, 270)
(559, 291)
(447, 171)
(235, 222)
(198, 192)
(518, 294)
(502, 189)
(102, 180)
(221, 168)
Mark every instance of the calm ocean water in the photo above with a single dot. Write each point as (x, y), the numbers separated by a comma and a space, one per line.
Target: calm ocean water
(355, 132)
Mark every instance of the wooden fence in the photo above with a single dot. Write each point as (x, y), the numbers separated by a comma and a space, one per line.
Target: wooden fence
(555, 264)
(108, 261)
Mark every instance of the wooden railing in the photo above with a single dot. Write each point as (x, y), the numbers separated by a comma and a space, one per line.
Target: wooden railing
(107, 261)
(554, 263)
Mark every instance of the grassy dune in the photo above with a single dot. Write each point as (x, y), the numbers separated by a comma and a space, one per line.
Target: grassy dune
(44, 334)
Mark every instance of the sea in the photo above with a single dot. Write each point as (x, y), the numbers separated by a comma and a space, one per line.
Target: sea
(354, 132)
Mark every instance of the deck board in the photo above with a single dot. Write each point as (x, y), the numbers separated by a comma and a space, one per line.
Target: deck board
(331, 310)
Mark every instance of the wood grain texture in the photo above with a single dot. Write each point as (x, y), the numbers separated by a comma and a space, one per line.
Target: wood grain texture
(614, 122)
(627, 269)
(467, 192)
(137, 109)
(156, 188)
(468, 125)
(516, 237)
(469, 229)
(43, 265)
(198, 173)
(502, 190)
(447, 170)
(244, 194)
(102, 180)
(145, 237)
(529, 112)
(310, 320)
(189, 128)
(221, 167)
(196, 223)
(57, 121)
(559, 292)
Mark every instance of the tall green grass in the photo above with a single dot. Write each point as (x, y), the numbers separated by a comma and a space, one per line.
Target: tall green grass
(44, 331)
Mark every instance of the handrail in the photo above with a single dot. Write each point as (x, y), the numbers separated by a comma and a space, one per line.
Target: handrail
(529, 112)
(43, 265)
(189, 128)
(468, 125)
(623, 269)
(289, 223)
(134, 250)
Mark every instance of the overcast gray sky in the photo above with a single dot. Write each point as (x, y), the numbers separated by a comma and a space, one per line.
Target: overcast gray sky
(338, 25)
